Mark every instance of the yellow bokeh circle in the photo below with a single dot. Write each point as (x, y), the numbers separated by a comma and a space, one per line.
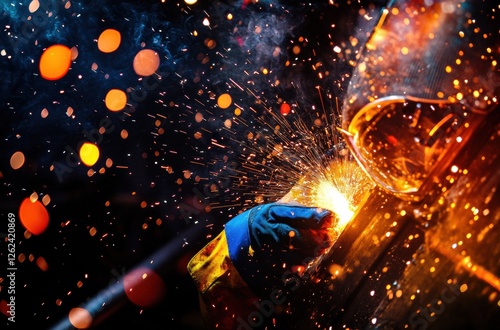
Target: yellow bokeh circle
(89, 153)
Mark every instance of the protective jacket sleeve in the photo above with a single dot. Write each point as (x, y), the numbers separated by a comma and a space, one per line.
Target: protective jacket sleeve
(225, 298)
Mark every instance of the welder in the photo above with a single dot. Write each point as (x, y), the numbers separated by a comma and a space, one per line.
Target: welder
(425, 85)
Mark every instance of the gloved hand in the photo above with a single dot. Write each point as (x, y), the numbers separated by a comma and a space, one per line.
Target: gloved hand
(268, 241)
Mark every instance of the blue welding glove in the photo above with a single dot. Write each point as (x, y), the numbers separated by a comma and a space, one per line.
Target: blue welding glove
(270, 241)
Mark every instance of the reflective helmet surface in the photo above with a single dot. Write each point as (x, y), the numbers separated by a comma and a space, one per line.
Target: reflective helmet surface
(427, 74)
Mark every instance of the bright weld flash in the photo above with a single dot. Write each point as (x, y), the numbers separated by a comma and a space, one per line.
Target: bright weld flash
(330, 198)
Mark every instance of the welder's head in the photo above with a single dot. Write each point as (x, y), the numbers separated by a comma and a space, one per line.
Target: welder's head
(427, 73)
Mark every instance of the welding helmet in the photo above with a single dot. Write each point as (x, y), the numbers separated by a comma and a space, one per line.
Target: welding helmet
(427, 75)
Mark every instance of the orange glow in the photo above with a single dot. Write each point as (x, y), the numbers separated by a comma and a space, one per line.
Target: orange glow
(330, 198)
(4, 308)
(80, 318)
(285, 109)
(33, 216)
(144, 287)
(89, 153)
(224, 101)
(146, 62)
(55, 62)
(116, 100)
(42, 264)
(109, 41)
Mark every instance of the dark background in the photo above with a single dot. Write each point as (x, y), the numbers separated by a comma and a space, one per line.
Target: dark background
(149, 196)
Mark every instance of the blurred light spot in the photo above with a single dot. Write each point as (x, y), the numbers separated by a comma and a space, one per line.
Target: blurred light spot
(190, 2)
(463, 288)
(80, 318)
(33, 216)
(210, 43)
(285, 109)
(55, 62)
(33, 197)
(34, 5)
(124, 134)
(109, 41)
(336, 270)
(17, 160)
(89, 153)
(46, 200)
(146, 62)
(116, 100)
(4, 308)
(198, 117)
(44, 113)
(224, 101)
(144, 287)
(74, 53)
(42, 264)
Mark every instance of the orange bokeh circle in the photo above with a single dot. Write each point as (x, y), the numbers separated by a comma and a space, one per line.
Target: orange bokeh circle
(33, 216)
(224, 101)
(285, 109)
(115, 100)
(80, 318)
(109, 40)
(55, 62)
(146, 62)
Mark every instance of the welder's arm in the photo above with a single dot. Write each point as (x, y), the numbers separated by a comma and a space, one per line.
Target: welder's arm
(252, 256)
